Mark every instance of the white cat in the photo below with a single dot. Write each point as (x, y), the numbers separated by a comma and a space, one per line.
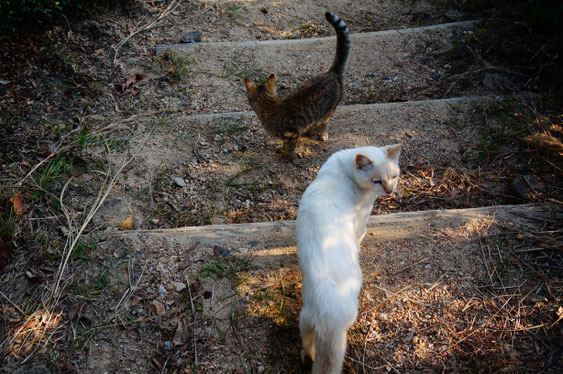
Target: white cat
(331, 223)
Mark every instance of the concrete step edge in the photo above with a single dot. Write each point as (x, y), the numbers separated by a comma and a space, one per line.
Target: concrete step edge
(354, 36)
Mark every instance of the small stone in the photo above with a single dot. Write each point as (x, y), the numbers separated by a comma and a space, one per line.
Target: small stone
(157, 307)
(63, 230)
(217, 138)
(167, 346)
(38, 369)
(161, 290)
(260, 369)
(489, 81)
(179, 182)
(192, 37)
(154, 221)
(383, 316)
(180, 286)
(428, 267)
(524, 187)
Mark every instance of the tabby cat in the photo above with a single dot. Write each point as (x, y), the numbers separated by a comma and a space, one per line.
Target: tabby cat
(306, 108)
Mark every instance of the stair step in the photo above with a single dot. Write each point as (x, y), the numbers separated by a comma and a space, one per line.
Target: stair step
(415, 63)
(225, 156)
(160, 48)
(380, 228)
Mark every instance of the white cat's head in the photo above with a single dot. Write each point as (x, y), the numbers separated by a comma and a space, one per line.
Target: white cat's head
(377, 169)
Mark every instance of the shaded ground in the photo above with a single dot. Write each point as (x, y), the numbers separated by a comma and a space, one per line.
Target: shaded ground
(71, 113)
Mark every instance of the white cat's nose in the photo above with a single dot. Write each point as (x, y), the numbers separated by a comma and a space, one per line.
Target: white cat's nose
(387, 190)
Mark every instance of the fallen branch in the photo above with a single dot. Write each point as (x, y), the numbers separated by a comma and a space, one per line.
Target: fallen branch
(173, 5)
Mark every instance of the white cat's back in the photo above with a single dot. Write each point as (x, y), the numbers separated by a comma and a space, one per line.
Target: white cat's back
(331, 223)
(328, 248)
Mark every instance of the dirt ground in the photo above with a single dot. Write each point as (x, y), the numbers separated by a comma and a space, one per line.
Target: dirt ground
(484, 296)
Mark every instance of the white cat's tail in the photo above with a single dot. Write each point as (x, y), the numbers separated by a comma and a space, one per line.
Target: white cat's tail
(330, 350)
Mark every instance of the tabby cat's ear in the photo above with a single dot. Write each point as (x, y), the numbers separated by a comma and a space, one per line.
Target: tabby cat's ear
(250, 86)
(271, 84)
(362, 161)
(393, 151)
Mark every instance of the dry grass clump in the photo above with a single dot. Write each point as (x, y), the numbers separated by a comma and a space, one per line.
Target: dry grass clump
(32, 333)
(548, 141)
(507, 320)
(435, 188)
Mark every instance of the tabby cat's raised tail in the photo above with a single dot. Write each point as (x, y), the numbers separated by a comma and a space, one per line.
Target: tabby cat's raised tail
(342, 43)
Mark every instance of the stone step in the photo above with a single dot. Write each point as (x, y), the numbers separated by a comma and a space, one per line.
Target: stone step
(408, 64)
(415, 266)
(232, 172)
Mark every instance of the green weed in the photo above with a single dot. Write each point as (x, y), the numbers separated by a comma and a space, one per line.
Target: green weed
(229, 267)
(221, 333)
(235, 68)
(178, 65)
(8, 227)
(502, 124)
(55, 171)
(253, 186)
(231, 128)
(233, 10)
(91, 291)
(213, 267)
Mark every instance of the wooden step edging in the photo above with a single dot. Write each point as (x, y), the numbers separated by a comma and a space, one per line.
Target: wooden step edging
(386, 227)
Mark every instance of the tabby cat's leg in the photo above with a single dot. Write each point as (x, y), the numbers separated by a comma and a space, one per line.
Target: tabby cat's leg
(323, 128)
(288, 148)
(323, 134)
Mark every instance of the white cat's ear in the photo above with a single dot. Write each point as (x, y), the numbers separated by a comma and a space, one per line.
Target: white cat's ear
(271, 84)
(362, 161)
(250, 86)
(393, 151)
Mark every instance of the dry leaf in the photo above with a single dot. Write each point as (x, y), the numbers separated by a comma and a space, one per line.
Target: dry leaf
(157, 307)
(135, 300)
(127, 224)
(127, 82)
(187, 251)
(127, 86)
(181, 334)
(17, 205)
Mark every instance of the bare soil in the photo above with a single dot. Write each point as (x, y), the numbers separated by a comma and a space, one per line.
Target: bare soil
(482, 297)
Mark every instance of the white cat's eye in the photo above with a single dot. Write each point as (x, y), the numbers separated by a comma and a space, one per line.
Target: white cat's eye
(375, 181)
(394, 176)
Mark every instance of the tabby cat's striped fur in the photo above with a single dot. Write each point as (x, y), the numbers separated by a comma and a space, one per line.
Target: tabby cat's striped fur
(309, 106)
